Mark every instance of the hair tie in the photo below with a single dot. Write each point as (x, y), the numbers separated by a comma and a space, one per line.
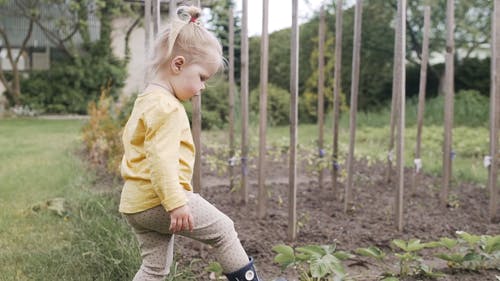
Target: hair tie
(187, 15)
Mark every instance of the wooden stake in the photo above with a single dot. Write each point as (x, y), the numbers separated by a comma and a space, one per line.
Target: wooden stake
(156, 17)
(421, 94)
(449, 92)
(196, 102)
(172, 8)
(394, 116)
(336, 94)
(356, 58)
(494, 112)
(321, 91)
(400, 75)
(231, 99)
(147, 34)
(244, 102)
(264, 60)
(294, 94)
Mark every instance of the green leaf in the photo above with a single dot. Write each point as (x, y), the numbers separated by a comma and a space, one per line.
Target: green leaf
(341, 255)
(472, 257)
(215, 267)
(372, 252)
(329, 249)
(401, 244)
(469, 238)
(456, 258)
(448, 242)
(314, 251)
(285, 256)
(318, 268)
(326, 265)
(492, 244)
(414, 245)
(427, 270)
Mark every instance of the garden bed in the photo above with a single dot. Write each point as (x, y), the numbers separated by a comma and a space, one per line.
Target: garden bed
(369, 223)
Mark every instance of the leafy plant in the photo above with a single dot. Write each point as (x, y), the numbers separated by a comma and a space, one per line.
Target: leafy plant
(473, 252)
(410, 263)
(314, 262)
(102, 134)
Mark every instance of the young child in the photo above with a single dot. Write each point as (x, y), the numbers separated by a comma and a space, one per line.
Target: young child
(157, 198)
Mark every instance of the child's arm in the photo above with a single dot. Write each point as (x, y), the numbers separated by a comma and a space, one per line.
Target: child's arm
(162, 144)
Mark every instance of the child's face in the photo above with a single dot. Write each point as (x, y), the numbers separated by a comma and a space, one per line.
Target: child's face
(190, 79)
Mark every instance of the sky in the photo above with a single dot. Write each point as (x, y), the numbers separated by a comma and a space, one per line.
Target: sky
(280, 13)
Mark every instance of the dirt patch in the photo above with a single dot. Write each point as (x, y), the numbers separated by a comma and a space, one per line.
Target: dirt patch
(369, 222)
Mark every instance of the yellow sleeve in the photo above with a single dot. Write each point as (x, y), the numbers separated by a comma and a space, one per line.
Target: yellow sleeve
(162, 143)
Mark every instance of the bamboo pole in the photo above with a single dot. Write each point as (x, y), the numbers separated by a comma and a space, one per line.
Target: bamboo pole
(264, 61)
(394, 117)
(231, 99)
(147, 34)
(494, 113)
(321, 91)
(336, 94)
(400, 91)
(244, 102)
(421, 95)
(354, 102)
(196, 102)
(294, 94)
(449, 92)
(172, 8)
(156, 17)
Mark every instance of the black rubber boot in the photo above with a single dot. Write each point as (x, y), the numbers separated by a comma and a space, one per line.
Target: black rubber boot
(246, 273)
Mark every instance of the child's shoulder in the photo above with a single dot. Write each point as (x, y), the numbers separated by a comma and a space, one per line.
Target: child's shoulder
(159, 103)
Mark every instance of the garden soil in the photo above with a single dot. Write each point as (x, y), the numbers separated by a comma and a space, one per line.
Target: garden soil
(321, 218)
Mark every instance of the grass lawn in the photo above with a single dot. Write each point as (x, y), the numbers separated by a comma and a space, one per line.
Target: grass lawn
(470, 144)
(88, 242)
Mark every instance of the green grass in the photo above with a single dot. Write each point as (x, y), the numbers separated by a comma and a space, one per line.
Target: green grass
(88, 241)
(372, 142)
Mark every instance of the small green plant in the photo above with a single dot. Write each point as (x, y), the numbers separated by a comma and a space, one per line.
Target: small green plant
(216, 269)
(410, 262)
(313, 262)
(472, 252)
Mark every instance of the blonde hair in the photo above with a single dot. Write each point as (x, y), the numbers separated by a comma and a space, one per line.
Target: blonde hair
(185, 35)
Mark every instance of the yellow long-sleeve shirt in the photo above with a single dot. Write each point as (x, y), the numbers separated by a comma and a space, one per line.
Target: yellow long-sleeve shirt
(157, 165)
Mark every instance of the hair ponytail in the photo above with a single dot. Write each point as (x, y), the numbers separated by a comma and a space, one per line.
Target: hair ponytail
(185, 35)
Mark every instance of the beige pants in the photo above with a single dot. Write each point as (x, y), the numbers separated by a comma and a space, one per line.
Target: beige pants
(211, 227)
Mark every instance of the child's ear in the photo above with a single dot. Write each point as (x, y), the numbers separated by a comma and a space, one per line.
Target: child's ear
(177, 64)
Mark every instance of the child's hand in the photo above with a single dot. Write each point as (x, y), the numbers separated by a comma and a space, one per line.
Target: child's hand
(181, 219)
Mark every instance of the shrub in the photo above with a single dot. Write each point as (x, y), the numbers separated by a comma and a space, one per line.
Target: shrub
(215, 105)
(70, 84)
(102, 134)
(278, 105)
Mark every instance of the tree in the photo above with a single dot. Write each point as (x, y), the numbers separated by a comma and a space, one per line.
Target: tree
(65, 24)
